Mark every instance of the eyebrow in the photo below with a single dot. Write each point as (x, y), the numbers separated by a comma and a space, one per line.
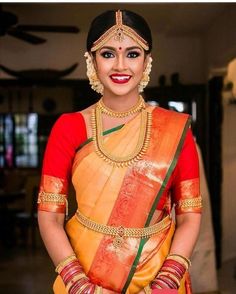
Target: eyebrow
(127, 49)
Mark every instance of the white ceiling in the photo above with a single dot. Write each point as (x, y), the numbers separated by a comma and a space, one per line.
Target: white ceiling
(166, 18)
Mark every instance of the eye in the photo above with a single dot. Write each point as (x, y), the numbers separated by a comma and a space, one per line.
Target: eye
(133, 54)
(107, 54)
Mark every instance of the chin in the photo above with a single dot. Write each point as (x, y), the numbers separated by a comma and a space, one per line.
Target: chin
(122, 91)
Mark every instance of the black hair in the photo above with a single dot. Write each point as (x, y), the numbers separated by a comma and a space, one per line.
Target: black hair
(107, 19)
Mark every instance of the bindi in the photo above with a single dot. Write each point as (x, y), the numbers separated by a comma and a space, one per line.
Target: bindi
(120, 48)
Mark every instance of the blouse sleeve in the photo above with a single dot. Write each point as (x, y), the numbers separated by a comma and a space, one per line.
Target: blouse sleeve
(68, 132)
(185, 188)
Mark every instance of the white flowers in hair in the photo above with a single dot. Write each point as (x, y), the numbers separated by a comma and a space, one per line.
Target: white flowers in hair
(95, 83)
(146, 76)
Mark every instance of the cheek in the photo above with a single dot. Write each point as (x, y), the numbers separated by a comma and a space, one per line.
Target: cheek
(138, 69)
(103, 66)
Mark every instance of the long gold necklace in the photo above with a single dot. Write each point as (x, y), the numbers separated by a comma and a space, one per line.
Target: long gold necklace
(120, 114)
(140, 149)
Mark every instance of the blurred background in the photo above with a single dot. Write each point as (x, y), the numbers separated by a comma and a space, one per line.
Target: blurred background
(43, 74)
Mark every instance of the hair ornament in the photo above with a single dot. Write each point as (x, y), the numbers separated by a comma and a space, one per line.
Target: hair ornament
(118, 31)
(146, 75)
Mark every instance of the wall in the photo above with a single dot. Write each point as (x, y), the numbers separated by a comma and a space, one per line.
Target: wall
(220, 50)
(220, 42)
(171, 53)
(27, 99)
(229, 167)
(229, 183)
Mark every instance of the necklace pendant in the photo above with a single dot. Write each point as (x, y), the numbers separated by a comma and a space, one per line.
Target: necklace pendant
(118, 241)
(136, 154)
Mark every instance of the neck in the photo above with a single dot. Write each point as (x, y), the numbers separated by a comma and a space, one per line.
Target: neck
(120, 102)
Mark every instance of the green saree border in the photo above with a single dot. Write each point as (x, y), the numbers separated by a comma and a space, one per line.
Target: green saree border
(104, 133)
(168, 174)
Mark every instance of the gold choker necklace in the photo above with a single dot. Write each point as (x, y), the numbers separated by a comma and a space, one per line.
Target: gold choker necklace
(119, 114)
(140, 149)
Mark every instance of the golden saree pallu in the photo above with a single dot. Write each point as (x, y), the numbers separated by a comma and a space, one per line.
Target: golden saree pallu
(117, 205)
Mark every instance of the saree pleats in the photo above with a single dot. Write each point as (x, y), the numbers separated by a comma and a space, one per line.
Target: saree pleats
(126, 196)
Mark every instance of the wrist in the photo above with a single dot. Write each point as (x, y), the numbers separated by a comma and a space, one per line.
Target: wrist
(171, 272)
(73, 276)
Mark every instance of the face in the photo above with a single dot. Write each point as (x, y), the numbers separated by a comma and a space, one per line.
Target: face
(120, 66)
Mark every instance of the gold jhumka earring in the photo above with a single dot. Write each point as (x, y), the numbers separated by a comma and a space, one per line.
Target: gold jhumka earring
(117, 31)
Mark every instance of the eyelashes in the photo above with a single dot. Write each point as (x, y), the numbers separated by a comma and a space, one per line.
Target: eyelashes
(107, 54)
(130, 54)
(133, 54)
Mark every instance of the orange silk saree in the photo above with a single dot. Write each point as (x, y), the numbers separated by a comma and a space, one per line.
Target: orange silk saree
(126, 196)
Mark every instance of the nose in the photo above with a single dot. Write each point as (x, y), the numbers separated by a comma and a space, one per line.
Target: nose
(120, 64)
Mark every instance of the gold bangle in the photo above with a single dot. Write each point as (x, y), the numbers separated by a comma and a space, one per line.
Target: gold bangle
(180, 258)
(65, 262)
(195, 202)
(53, 198)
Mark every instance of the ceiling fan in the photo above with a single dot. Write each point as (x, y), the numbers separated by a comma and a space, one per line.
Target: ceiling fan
(9, 26)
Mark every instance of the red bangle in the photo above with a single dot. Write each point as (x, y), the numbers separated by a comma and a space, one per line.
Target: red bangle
(160, 283)
(172, 271)
(169, 282)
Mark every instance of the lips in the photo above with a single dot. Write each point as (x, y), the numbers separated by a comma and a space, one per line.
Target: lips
(120, 78)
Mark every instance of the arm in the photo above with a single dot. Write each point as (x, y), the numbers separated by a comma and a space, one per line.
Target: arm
(187, 200)
(52, 202)
(52, 199)
(51, 227)
(186, 233)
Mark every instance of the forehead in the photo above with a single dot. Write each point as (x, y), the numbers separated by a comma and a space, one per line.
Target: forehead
(126, 42)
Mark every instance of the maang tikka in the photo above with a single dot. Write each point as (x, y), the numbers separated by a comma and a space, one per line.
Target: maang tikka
(118, 31)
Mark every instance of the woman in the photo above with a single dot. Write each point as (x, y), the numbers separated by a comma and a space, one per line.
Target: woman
(130, 163)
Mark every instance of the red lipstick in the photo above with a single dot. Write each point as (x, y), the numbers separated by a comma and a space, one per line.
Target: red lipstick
(120, 78)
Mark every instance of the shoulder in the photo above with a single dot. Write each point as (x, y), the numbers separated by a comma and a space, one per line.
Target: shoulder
(163, 116)
(68, 118)
(169, 113)
(70, 124)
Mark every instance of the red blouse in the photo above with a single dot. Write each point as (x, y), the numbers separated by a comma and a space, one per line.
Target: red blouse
(69, 132)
